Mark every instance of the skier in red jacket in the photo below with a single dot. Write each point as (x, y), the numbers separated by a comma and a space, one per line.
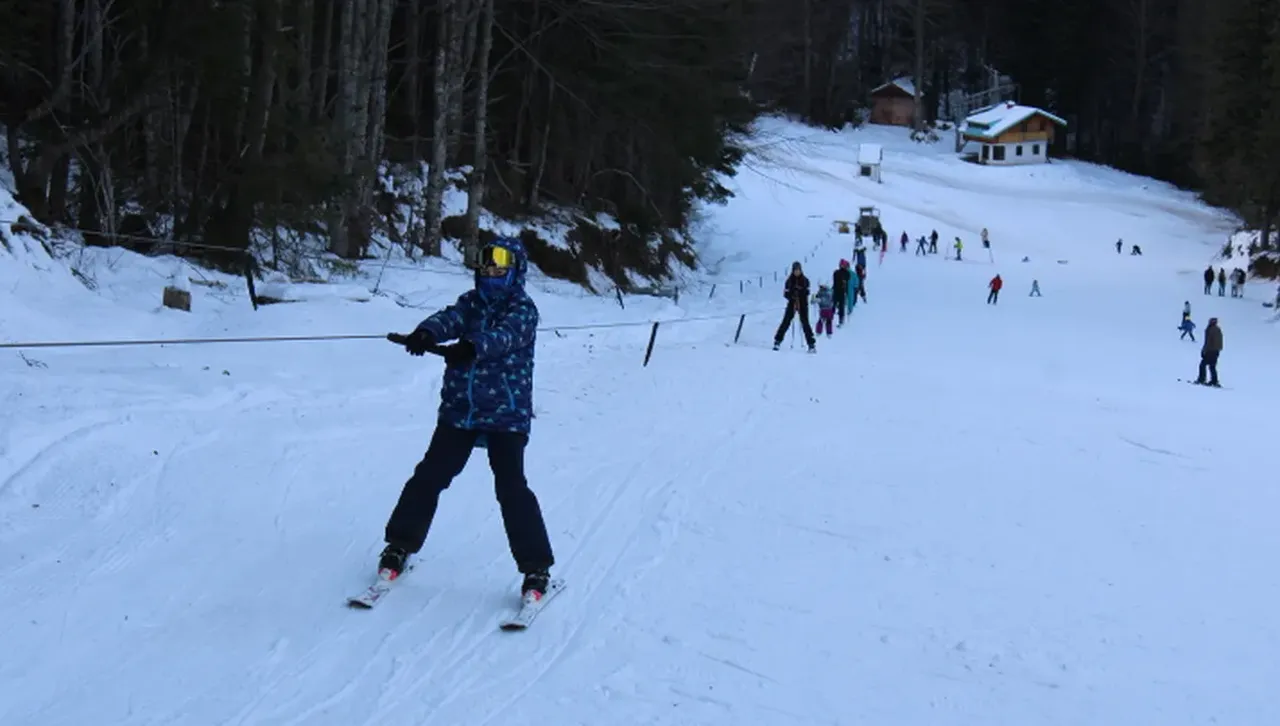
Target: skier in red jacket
(995, 285)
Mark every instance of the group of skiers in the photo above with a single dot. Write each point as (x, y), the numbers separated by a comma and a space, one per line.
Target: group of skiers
(1237, 278)
(834, 301)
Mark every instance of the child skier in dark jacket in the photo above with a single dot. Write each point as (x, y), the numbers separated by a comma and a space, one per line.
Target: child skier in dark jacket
(826, 309)
(486, 401)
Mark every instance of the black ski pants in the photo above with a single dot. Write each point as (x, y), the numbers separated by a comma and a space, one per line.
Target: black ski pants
(993, 297)
(446, 456)
(841, 297)
(1209, 364)
(790, 315)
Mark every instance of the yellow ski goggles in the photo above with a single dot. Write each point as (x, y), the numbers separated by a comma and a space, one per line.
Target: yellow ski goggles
(495, 260)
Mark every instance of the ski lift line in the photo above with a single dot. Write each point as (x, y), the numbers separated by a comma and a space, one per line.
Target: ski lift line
(355, 336)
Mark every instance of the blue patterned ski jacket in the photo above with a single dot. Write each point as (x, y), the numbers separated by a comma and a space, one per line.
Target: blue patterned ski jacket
(495, 392)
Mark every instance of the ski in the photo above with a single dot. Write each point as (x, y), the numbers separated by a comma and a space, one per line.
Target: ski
(375, 592)
(528, 610)
(1205, 385)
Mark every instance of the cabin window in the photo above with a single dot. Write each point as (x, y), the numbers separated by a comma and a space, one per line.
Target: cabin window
(998, 153)
(1035, 150)
(986, 152)
(1019, 150)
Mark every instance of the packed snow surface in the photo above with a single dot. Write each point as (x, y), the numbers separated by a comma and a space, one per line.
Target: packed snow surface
(954, 513)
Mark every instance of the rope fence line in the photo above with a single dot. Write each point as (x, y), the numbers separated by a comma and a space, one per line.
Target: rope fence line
(672, 291)
(655, 324)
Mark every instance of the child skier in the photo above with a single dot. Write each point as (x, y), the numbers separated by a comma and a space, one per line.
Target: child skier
(826, 309)
(1035, 289)
(486, 401)
(1187, 328)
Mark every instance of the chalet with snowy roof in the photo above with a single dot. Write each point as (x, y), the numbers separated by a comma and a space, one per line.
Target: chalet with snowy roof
(1008, 133)
(894, 103)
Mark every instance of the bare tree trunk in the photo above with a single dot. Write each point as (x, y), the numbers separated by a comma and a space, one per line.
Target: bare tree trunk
(439, 133)
(321, 99)
(917, 121)
(808, 58)
(379, 49)
(60, 180)
(413, 72)
(306, 32)
(462, 30)
(535, 190)
(476, 190)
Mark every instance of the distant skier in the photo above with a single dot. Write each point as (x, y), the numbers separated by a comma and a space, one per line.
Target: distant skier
(826, 309)
(486, 401)
(840, 289)
(933, 242)
(859, 281)
(996, 283)
(1136, 251)
(1222, 282)
(921, 246)
(860, 256)
(1188, 328)
(959, 247)
(1035, 289)
(1119, 245)
(1208, 279)
(796, 292)
(986, 242)
(904, 240)
(1186, 309)
(1209, 353)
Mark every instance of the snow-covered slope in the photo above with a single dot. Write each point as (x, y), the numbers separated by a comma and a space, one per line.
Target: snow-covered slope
(955, 513)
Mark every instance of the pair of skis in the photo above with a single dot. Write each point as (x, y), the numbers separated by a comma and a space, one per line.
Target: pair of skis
(523, 616)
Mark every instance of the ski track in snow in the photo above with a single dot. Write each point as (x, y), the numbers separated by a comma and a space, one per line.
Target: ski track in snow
(952, 514)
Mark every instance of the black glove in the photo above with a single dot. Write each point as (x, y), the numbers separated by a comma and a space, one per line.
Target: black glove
(419, 342)
(460, 353)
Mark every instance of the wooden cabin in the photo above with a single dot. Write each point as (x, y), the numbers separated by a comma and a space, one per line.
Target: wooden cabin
(1008, 133)
(894, 103)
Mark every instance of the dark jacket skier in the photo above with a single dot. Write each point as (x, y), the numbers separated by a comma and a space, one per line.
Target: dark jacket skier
(796, 292)
(486, 401)
(1222, 283)
(1208, 279)
(840, 288)
(1209, 353)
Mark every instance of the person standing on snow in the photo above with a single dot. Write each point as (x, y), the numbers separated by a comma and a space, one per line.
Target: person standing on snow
(1035, 289)
(986, 243)
(826, 309)
(933, 242)
(921, 248)
(1119, 245)
(840, 280)
(1209, 353)
(959, 247)
(1208, 279)
(1222, 282)
(903, 240)
(859, 282)
(486, 401)
(1188, 328)
(796, 292)
(994, 296)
